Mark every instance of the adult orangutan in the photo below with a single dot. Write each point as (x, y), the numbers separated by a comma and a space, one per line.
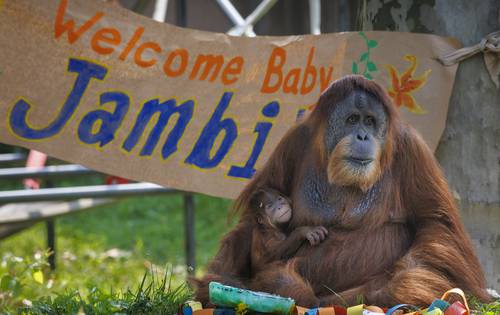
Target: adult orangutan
(354, 167)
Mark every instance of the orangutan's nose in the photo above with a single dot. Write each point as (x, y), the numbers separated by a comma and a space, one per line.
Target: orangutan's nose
(362, 136)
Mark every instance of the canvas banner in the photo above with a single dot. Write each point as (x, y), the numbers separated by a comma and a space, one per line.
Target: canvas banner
(92, 83)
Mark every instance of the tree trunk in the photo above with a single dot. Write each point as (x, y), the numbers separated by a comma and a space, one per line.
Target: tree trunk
(469, 151)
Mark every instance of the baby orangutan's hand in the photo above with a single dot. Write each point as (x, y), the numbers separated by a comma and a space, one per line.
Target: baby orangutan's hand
(315, 234)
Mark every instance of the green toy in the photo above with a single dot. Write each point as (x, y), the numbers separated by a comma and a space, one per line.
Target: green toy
(227, 296)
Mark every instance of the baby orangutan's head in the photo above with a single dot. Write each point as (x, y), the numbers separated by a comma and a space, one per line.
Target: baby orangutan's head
(271, 204)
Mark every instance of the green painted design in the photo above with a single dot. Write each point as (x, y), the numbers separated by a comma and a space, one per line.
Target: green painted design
(364, 59)
(242, 300)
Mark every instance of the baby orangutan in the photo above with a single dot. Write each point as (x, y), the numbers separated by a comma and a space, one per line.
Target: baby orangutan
(269, 241)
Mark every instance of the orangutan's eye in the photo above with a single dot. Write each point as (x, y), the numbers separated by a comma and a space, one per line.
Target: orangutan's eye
(353, 119)
(369, 121)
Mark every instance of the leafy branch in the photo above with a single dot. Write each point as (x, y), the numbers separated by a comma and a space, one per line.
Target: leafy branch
(364, 58)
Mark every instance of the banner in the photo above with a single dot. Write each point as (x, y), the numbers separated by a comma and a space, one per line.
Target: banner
(92, 83)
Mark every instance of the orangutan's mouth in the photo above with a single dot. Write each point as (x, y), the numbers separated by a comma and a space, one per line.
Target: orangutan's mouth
(284, 213)
(359, 161)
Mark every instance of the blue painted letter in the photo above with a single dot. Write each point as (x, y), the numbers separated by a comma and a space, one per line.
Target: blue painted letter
(86, 71)
(200, 156)
(110, 122)
(262, 129)
(165, 110)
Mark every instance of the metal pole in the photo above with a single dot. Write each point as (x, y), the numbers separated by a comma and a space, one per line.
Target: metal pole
(315, 16)
(231, 12)
(234, 16)
(253, 18)
(44, 172)
(97, 191)
(188, 198)
(189, 233)
(12, 157)
(51, 242)
(51, 236)
(160, 12)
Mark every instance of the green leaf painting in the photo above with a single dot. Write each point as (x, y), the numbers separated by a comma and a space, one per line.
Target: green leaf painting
(354, 68)
(364, 59)
(372, 43)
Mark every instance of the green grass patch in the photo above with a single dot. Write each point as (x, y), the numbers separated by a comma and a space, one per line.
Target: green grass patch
(479, 308)
(153, 296)
(106, 251)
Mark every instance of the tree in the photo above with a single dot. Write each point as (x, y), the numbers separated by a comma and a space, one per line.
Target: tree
(469, 151)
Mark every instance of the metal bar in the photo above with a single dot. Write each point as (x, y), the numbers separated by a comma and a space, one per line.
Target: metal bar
(189, 236)
(43, 172)
(51, 242)
(181, 13)
(12, 157)
(15, 213)
(51, 236)
(233, 14)
(253, 18)
(315, 16)
(97, 191)
(160, 12)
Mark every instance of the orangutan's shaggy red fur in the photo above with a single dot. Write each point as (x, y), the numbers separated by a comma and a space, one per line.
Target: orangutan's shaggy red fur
(407, 245)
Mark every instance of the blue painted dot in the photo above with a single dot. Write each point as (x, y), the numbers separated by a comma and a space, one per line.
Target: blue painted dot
(271, 110)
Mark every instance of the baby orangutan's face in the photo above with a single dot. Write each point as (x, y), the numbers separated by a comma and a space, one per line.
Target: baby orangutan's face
(277, 208)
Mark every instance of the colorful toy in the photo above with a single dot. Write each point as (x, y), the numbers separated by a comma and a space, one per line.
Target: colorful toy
(439, 304)
(235, 301)
(227, 296)
(456, 308)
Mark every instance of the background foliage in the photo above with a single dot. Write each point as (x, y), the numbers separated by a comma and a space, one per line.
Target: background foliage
(105, 252)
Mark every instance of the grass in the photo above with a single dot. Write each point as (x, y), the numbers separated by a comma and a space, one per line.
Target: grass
(479, 308)
(152, 297)
(107, 251)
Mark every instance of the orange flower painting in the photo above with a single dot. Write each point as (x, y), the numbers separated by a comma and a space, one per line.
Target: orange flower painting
(403, 86)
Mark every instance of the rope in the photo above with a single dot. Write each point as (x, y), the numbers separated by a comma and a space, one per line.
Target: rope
(490, 43)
